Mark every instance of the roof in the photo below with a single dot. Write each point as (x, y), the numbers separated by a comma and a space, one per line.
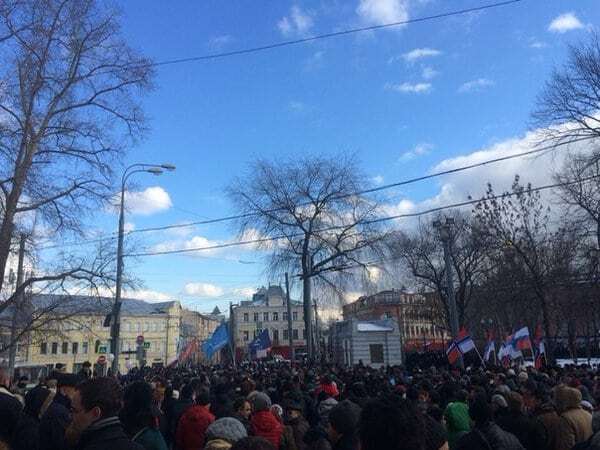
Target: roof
(92, 305)
(374, 326)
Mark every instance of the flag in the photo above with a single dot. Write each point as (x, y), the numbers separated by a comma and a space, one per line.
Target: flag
(541, 346)
(453, 352)
(490, 348)
(511, 351)
(261, 344)
(218, 340)
(521, 339)
(464, 341)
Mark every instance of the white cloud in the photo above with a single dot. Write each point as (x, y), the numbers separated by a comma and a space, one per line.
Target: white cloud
(218, 42)
(147, 295)
(245, 292)
(297, 106)
(377, 180)
(149, 201)
(129, 227)
(420, 149)
(420, 53)
(203, 290)
(192, 243)
(297, 23)
(429, 73)
(476, 85)
(537, 44)
(565, 22)
(379, 12)
(409, 88)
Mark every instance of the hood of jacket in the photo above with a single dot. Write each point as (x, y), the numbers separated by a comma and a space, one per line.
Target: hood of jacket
(567, 398)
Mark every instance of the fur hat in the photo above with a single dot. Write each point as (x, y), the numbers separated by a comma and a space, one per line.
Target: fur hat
(226, 428)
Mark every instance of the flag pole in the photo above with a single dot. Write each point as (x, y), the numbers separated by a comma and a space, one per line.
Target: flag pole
(480, 358)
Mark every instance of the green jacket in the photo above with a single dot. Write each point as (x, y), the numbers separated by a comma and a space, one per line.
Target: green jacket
(458, 421)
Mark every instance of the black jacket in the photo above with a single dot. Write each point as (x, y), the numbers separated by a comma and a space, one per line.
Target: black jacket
(53, 425)
(529, 432)
(488, 437)
(10, 414)
(106, 434)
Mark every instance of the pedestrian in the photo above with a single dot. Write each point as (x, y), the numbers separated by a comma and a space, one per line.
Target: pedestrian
(343, 420)
(139, 418)
(297, 422)
(223, 433)
(456, 414)
(263, 423)
(576, 424)
(191, 429)
(242, 411)
(95, 424)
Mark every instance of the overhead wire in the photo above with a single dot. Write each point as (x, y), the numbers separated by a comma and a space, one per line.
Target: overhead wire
(367, 222)
(538, 150)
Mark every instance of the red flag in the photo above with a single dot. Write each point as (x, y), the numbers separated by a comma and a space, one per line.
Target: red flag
(453, 353)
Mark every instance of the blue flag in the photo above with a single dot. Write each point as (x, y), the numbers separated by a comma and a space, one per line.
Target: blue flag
(261, 344)
(218, 340)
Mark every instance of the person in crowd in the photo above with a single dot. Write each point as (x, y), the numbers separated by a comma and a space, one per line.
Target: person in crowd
(10, 411)
(95, 425)
(544, 412)
(253, 443)
(486, 434)
(242, 411)
(138, 416)
(576, 424)
(191, 429)
(457, 417)
(343, 420)
(185, 401)
(223, 433)
(297, 422)
(86, 371)
(56, 416)
(262, 422)
(530, 432)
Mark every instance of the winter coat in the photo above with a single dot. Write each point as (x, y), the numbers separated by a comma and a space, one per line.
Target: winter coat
(547, 416)
(192, 427)
(10, 412)
(529, 432)
(458, 421)
(53, 424)
(576, 424)
(349, 442)
(299, 428)
(150, 439)
(316, 439)
(488, 437)
(176, 411)
(287, 439)
(264, 424)
(106, 434)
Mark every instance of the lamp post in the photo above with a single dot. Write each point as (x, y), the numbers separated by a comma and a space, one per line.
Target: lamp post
(154, 169)
(445, 232)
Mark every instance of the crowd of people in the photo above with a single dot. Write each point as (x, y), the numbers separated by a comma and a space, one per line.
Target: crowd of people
(266, 406)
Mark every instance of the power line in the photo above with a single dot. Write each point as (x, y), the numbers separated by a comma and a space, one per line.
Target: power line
(538, 150)
(368, 222)
(325, 36)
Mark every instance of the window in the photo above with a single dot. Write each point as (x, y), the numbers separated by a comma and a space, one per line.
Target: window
(97, 346)
(54, 348)
(146, 327)
(84, 348)
(266, 317)
(256, 317)
(284, 316)
(295, 315)
(285, 334)
(275, 317)
(246, 317)
(138, 327)
(75, 348)
(246, 335)
(44, 348)
(295, 334)
(376, 352)
(276, 335)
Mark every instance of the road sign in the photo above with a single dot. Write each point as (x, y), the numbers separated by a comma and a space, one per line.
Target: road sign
(102, 359)
(140, 340)
(146, 345)
(102, 349)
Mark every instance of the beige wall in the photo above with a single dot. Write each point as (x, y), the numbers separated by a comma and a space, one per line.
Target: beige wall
(241, 327)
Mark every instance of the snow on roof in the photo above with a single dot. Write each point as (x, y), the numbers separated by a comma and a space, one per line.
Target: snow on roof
(374, 326)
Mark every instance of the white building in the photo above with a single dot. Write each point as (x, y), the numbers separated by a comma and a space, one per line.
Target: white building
(268, 310)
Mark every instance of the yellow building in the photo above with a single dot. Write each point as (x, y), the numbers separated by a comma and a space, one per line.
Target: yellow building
(79, 335)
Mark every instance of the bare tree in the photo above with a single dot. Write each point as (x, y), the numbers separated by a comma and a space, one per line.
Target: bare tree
(308, 205)
(569, 103)
(69, 104)
(422, 253)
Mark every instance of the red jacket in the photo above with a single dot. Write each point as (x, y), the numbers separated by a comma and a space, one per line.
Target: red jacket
(192, 427)
(265, 425)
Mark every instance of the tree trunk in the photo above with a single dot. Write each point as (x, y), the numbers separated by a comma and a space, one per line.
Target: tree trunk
(307, 303)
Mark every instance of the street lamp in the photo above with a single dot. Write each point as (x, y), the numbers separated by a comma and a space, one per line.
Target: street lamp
(445, 232)
(155, 169)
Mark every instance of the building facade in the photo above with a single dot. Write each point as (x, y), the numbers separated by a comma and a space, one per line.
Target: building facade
(268, 310)
(418, 315)
(198, 327)
(78, 334)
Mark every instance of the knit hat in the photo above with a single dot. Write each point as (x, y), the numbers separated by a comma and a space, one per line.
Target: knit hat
(344, 417)
(499, 400)
(260, 402)
(226, 428)
(523, 377)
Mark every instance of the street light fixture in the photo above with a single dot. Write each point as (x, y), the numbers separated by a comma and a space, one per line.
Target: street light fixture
(155, 169)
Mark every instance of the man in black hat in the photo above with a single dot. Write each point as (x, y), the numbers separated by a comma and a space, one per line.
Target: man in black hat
(57, 414)
(296, 421)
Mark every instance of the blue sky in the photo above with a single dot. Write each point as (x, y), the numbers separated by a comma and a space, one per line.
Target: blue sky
(404, 100)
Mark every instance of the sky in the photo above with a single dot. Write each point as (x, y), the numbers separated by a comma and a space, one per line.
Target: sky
(406, 101)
